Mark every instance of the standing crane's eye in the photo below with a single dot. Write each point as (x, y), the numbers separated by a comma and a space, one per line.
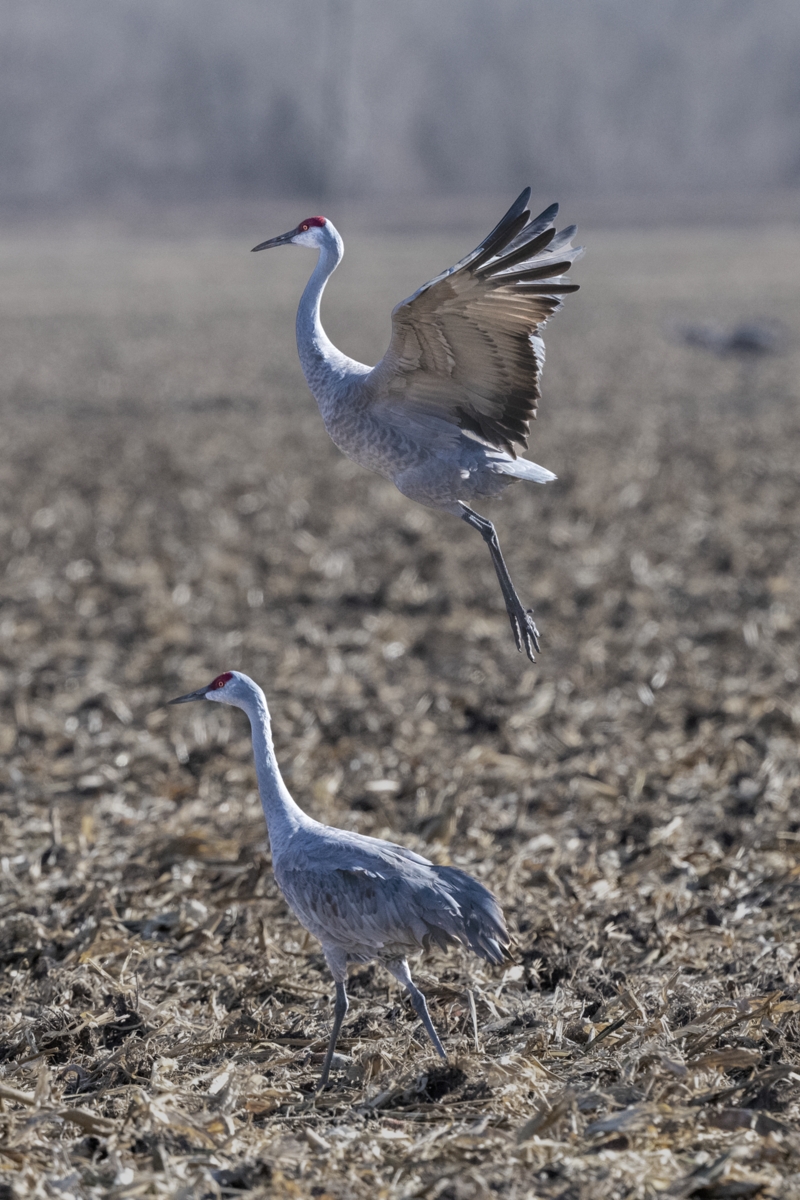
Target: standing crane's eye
(220, 681)
(303, 228)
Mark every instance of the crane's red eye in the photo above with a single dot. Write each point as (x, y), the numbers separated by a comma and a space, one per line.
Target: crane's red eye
(220, 681)
(304, 228)
(312, 222)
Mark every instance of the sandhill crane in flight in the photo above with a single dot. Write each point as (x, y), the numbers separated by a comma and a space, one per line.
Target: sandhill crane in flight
(363, 898)
(446, 411)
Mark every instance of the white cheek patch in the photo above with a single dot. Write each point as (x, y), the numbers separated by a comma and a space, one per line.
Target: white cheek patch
(309, 238)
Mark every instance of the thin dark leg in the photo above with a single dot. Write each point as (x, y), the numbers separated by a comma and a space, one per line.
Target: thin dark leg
(522, 623)
(421, 1009)
(339, 1011)
(403, 975)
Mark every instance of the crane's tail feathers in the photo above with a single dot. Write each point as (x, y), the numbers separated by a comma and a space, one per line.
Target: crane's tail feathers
(482, 927)
(493, 952)
(523, 468)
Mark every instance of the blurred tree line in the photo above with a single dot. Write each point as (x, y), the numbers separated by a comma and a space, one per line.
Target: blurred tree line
(200, 99)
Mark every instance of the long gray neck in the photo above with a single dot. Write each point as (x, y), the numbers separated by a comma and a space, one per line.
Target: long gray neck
(326, 369)
(284, 817)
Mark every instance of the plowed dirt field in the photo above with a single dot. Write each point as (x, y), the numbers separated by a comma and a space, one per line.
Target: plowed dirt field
(172, 508)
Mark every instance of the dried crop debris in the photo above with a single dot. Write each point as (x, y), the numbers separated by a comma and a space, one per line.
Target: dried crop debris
(633, 800)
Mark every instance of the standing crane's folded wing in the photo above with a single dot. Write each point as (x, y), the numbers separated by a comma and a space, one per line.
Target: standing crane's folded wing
(371, 911)
(465, 347)
(386, 904)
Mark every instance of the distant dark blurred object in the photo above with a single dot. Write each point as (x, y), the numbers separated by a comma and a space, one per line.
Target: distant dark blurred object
(749, 337)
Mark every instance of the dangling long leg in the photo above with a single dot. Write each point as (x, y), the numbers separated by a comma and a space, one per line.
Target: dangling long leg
(339, 1011)
(399, 968)
(522, 623)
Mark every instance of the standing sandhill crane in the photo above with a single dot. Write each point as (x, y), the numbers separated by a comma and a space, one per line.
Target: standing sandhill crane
(449, 405)
(363, 898)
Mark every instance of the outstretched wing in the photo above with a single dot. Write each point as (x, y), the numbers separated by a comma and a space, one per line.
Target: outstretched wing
(466, 346)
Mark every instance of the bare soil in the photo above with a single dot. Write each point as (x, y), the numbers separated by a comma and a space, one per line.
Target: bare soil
(173, 508)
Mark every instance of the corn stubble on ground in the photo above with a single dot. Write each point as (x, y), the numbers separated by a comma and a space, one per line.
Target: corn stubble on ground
(173, 508)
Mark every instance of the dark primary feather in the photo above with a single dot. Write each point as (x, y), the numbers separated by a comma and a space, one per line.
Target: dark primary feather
(504, 231)
(561, 239)
(545, 271)
(527, 249)
(465, 347)
(535, 226)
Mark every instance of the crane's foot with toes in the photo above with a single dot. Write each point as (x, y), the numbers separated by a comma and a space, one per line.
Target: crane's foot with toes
(523, 626)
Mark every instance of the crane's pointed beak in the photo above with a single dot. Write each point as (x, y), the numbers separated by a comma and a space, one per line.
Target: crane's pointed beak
(200, 694)
(284, 239)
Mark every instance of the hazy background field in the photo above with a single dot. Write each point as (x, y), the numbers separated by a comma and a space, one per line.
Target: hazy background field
(638, 105)
(173, 507)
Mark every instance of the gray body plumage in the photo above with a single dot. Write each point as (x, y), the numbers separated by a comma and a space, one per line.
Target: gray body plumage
(446, 411)
(367, 899)
(364, 899)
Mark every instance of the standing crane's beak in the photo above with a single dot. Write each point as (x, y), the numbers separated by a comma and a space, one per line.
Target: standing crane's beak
(200, 694)
(285, 239)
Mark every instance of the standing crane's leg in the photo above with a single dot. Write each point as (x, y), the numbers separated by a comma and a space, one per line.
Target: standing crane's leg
(339, 1011)
(399, 968)
(522, 623)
